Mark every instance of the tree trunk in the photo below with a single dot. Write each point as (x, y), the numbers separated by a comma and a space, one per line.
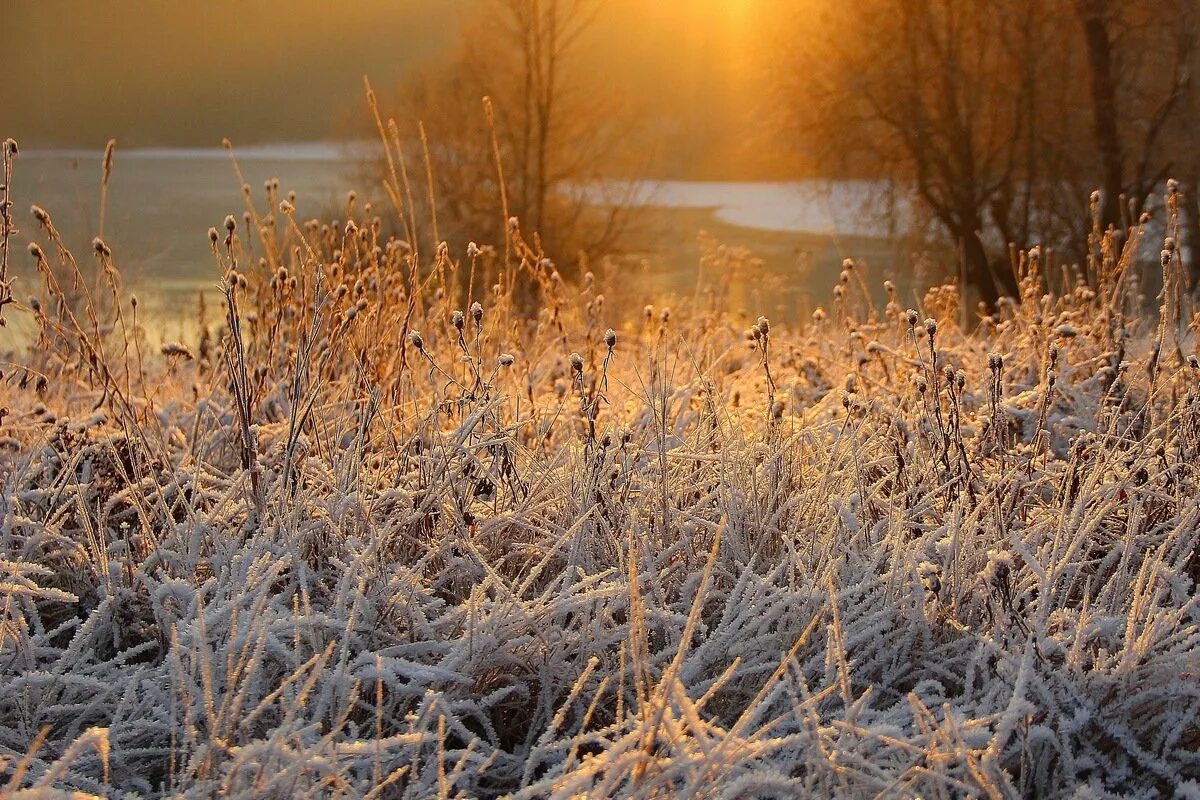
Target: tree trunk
(978, 269)
(1093, 16)
(1190, 246)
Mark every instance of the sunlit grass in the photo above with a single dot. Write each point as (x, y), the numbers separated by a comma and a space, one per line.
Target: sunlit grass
(454, 523)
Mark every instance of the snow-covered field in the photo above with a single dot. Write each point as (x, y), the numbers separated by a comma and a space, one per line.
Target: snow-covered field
(369, 540)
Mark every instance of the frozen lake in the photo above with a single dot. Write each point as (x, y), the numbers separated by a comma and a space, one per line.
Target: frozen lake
(832, 208)
(162, 202)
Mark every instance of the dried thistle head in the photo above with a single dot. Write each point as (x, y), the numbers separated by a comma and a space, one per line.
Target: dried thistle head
(576, 362)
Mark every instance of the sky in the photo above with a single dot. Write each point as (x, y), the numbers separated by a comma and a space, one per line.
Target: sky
(188, 73)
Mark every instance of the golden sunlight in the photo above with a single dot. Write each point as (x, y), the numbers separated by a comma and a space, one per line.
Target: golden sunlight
(613, 399)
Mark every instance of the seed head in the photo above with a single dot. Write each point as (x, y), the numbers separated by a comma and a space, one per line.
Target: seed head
(995, 362)
(415, 338)
(999, 566)
(506, 359)
(230, 223)
(100, 247)
(213, 235)
(913, 317)
(764, 325)
(610, 338)
(176, 350)
(576, 362)
(1066, 331)
(477, 313)
(40, 214)
(457, 319)
(931, 327)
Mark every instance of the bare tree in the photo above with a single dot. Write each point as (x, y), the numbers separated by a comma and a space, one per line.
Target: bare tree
(555, 129)
(979, 107)
(942, 100)
(1139, 62)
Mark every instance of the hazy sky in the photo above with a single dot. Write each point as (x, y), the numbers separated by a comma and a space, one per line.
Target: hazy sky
(189, 72)
(184, 72)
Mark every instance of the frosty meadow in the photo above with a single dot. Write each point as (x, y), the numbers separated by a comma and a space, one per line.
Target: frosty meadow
(452, 524)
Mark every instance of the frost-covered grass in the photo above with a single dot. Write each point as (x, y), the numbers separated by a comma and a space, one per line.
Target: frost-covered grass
(318, 553)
